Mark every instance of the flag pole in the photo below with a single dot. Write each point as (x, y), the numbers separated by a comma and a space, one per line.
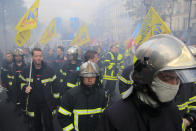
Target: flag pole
(30, 72)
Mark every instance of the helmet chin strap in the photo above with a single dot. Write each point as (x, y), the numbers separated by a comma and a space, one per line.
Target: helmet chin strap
(147, 100)
(90, 86)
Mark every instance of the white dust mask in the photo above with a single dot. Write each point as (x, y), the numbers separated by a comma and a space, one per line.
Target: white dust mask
(164, 91)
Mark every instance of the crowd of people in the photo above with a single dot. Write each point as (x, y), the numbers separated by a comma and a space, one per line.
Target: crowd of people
(99, 88)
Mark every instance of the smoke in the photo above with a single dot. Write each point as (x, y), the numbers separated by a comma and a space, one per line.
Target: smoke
(48, 9)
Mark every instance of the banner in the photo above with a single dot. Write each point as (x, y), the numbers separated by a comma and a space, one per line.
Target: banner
(49, 33)
(22, 37)
(152, 25)
(81, 37)
(26, 23)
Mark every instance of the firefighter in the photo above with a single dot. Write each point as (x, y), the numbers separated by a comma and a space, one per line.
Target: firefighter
(16, 68)
(184, 98)
(69, 73)
(59, 61)
(157, 75)
(81, 106)
(113, 64)
(185, 101)
(49, 58)
(4, 69)
(43, 93)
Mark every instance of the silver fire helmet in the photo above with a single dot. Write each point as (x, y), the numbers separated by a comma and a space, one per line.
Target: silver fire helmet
(164, 53)
(89, 69)
(18, 51)
(72, 50)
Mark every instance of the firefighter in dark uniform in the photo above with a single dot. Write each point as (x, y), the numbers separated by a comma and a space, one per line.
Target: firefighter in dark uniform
(185, 98)
(16, 68)
(60, 60)
(81, 107)
(69, 74)
(113, 64)
(157, 75)
(4, 69)
(186, 101)
(43, 93)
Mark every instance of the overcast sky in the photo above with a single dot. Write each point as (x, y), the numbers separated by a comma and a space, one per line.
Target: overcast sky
(48, 9)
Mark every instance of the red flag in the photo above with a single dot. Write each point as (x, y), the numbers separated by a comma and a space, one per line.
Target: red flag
(93, 41)
(130, 43)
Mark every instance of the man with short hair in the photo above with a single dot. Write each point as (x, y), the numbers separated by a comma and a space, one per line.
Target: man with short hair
(43, 93)
(49, 58)
(113, 64)
(59, 61)
(91, 55)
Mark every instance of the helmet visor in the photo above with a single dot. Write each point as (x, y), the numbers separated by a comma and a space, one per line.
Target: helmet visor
(89, 75)
(187, 75)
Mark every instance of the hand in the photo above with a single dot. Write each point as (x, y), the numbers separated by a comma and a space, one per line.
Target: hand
(187, 123)
(120, 71)
(28, 89)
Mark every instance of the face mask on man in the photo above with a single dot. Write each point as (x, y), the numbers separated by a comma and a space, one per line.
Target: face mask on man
(165, 92)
